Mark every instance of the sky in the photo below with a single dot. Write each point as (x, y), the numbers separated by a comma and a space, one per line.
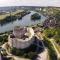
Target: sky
(30, 3)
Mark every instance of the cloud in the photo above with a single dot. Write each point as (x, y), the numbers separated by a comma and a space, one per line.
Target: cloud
(30, 3)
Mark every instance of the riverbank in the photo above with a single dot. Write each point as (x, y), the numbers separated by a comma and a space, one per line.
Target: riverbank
(3, 16)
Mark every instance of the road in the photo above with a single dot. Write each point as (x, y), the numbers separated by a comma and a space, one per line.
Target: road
(53, 43)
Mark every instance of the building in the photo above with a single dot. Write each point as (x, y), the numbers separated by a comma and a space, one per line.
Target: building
(21, 37)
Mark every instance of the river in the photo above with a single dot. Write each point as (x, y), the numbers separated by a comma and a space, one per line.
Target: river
(25, 21)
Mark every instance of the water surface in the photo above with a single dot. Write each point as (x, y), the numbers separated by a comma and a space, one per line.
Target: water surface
(25, 21)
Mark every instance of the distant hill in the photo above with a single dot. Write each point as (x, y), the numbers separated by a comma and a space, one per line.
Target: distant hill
(11, 8)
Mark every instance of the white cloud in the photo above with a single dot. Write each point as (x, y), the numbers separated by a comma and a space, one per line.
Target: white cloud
(30, 2)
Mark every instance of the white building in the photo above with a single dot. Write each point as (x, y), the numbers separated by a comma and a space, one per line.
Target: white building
(21, 37)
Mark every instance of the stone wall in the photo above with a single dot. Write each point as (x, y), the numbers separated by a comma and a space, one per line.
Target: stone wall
(19, 43)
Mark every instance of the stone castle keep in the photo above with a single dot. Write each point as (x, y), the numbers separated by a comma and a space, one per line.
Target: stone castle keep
(21, 37)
